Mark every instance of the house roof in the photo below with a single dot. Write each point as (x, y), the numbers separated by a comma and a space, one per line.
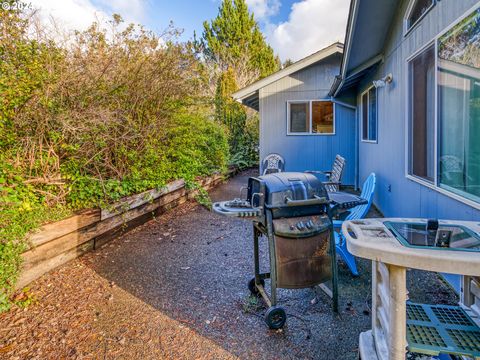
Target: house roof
(249, 94)
(368, 25)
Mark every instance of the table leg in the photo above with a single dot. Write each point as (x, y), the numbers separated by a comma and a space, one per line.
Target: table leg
(389, 295)
(397, 332)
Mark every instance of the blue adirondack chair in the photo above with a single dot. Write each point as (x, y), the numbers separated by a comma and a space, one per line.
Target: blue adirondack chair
(358, 212)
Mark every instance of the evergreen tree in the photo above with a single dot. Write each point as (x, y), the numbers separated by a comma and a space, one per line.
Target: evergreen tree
(235, 51)
(287, 63)
(233, 39)
(229, 112)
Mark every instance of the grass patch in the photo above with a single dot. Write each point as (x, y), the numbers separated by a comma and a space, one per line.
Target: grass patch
(252, 304)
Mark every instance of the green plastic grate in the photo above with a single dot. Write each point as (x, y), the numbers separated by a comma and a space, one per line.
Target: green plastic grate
(425, 335)
(435, 329)
(416, 312)
(466, 340)
(455, 315)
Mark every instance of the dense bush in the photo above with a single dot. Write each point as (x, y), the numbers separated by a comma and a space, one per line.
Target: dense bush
(197, 145)
(108, 114)
(246, 154)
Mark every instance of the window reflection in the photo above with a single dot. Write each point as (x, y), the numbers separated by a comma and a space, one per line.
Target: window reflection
(459, 107)
(322, 117)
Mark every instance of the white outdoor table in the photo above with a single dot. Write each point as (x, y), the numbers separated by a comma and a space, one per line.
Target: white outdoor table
(370, 239)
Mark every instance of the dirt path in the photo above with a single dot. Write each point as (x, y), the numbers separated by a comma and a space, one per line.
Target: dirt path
(175, 288)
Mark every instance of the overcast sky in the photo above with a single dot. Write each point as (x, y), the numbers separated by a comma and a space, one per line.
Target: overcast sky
(294, 28)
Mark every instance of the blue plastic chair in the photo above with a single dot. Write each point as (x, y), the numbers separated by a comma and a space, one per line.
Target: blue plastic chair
(358, 212)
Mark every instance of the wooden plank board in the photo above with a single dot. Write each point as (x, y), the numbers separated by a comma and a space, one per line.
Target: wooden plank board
(36, 255)
(60, 228)
(126, 227)
(29, 275)
(39, 254)
(62, 241)
(137, 200)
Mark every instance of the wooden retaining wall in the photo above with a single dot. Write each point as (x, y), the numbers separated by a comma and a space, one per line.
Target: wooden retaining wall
(57, 243)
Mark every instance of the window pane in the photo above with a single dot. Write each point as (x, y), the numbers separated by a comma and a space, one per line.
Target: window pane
(422, 114)
(372, 114)
(322, 117)
(459, 107)
(299, 117)
(420, 8)
(365, 116)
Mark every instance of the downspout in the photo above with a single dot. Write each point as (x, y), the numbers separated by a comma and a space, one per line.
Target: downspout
(260, 132)
(356, 142)
(357, 150)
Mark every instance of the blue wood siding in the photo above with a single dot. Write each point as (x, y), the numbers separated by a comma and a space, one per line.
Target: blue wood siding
(397, 195)
(306, 152)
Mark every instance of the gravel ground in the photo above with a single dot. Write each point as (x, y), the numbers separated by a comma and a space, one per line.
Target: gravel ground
(176, 288)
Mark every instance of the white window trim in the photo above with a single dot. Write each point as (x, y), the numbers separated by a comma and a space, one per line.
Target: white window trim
(288, 116)
(408, 29)
(445, 192)
(310, 133)
(408, 109)
(361, 115)
(435, 184)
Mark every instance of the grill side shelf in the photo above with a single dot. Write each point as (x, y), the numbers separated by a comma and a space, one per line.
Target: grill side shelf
(222, 208)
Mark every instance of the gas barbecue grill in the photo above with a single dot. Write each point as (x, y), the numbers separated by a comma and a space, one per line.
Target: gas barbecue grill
(294, 211)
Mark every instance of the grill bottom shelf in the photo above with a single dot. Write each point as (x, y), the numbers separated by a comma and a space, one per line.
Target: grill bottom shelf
(435, 329)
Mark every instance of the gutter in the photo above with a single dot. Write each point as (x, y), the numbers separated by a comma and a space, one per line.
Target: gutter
(352, 19)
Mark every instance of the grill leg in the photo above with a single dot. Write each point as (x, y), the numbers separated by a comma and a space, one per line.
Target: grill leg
(334, 270)
(273, 263)
(258, 280)
(256, 255)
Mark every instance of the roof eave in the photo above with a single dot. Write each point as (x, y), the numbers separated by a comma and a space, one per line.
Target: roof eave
(336, 48)
(352, 17)
(352, 27)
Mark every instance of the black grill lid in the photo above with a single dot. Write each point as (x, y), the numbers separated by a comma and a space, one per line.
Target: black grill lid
(275, 190)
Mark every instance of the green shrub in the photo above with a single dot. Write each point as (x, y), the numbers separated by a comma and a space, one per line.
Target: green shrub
(197, 146)
(242, 127)
(22, 209)
(107, 117)
(246, 153)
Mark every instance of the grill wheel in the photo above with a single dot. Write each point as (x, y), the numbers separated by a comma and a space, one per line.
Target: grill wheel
(275, 317)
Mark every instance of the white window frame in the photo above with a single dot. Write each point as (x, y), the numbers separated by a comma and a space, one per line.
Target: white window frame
(407, 29)
(310, 133)
(367, 91)
(435, 184)
(430, 43)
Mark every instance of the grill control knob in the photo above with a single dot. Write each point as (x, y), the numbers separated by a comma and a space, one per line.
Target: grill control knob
(300, 226)
(309, 224)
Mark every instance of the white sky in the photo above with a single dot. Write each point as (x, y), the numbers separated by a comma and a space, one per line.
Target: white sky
(311, 24)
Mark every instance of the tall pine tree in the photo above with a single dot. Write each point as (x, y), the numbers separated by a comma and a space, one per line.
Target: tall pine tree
(234, 40)
(235, 50)
(229, 112)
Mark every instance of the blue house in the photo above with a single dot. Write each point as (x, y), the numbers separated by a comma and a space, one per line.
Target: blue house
(406, 106)
(298, 117)
(412, 70)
